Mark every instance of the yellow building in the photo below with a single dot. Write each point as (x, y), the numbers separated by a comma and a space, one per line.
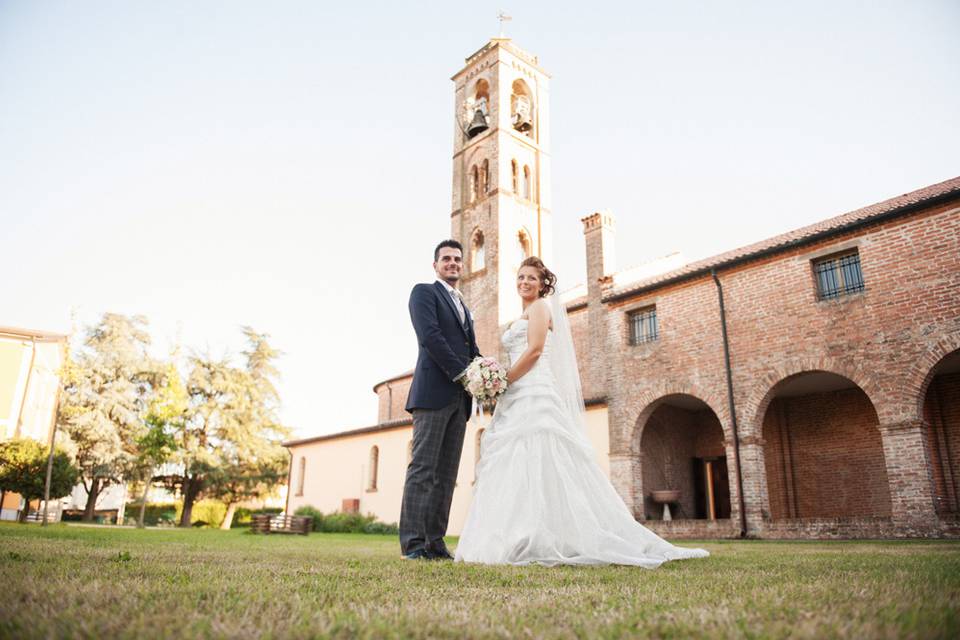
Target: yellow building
(30, 363)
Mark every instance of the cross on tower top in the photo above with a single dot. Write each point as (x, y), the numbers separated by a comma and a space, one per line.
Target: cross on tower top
(503, 17)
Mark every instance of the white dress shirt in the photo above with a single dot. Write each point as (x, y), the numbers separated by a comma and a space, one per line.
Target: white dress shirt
(458, 302)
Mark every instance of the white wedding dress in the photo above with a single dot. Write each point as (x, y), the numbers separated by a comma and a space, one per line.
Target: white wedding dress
(540, 495)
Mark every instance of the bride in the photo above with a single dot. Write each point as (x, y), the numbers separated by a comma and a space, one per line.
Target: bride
(540, 496)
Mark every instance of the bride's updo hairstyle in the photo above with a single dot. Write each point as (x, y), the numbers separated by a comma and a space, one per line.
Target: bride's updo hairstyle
(547, 277)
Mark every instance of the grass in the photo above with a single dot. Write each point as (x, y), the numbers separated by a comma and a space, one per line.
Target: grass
(63, 581)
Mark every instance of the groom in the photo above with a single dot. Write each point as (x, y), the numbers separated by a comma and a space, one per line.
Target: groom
(439, 404)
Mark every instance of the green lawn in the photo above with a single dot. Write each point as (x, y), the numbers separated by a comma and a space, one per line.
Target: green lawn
(63, 581)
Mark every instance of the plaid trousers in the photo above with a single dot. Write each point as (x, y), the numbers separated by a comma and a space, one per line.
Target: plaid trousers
(432, 474)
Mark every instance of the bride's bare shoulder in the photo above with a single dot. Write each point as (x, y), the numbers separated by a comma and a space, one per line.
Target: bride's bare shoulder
(543, 306)
(540, 310)
(537, 306)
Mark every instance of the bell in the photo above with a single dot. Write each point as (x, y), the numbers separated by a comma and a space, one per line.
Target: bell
(479, 124)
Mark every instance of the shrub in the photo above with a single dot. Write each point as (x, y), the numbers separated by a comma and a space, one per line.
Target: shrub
(316, 514)
(210, 512)
(155, 513)
(382, 528)
(338, 522)
(241, 517)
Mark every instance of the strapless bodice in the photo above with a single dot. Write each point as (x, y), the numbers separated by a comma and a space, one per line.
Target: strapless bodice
(515, 342)
(540, 495)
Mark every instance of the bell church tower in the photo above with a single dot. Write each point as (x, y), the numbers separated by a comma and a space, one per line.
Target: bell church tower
(501, 179)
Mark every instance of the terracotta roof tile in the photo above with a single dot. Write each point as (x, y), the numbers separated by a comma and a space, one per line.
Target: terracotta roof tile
(783, 240)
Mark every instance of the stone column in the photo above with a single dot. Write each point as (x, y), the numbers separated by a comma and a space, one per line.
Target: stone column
(910, 477)
(754, 476)
(626, 479)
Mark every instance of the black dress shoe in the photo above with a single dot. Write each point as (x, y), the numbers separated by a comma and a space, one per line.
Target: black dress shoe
(439, 554)
(417, 554)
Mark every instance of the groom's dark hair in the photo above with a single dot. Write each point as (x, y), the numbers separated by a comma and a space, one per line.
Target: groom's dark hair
(453, 244)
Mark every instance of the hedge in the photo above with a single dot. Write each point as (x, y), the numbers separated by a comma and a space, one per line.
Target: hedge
(155, 513)
(338, 522)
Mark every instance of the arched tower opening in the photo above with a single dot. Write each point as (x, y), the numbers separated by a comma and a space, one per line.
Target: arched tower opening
(521, 108)
(478, 253)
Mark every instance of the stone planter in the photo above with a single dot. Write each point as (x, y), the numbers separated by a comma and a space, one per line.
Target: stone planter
(665, 497)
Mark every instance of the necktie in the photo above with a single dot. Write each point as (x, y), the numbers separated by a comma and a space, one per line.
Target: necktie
(458, 301)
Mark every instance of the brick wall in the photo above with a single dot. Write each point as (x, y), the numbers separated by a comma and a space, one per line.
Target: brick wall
(392, 398)
(694, 529)
(480, 288)
(579, 328)
(824, 457)
(885, 339)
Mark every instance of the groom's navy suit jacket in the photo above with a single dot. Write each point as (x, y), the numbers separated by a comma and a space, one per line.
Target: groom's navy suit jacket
(446, 347)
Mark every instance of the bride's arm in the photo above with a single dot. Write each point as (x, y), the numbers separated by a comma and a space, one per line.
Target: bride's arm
(538, 316)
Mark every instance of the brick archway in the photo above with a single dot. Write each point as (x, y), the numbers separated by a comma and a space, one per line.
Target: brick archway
(683, 449)
(940, 389)
(653, 398)
(628, 416)
(823, 451)
(765, 389)
(924, 369)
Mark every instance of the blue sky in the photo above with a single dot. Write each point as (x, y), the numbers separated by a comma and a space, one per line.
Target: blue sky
(287, 164)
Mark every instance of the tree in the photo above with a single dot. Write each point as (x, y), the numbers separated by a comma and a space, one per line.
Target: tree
(23, 469)
(247, 480)
(105, 386)
(165, 414)
(229, 438)
(255, 463)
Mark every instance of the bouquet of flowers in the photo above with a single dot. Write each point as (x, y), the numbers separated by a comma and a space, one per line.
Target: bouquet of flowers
(485, 379)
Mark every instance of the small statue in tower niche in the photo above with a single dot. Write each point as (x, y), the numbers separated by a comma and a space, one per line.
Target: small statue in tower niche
(521, 113)
(480, 104)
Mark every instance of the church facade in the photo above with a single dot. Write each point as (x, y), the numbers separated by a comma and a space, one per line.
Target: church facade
(804, 386)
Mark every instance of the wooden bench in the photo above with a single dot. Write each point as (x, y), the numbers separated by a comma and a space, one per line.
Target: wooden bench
(266, 523)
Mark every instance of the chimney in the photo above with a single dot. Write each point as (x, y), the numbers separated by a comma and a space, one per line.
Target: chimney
(598, 238)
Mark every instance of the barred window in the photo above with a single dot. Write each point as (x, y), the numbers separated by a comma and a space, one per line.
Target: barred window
(643, 326)
(838, 275)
